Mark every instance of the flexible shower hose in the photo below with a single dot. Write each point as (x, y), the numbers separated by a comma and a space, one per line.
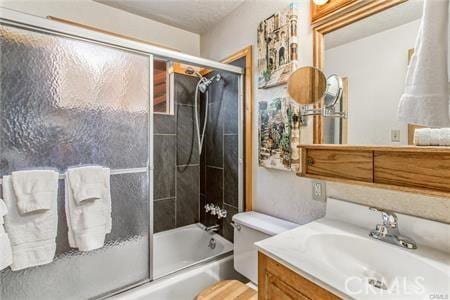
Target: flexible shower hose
(201, 137)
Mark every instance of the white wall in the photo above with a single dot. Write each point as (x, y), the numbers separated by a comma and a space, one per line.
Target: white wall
(376, 69)
(278, 193)
(283, 194)
(108, 18)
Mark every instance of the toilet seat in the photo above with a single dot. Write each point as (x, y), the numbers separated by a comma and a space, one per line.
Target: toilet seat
(228, 290)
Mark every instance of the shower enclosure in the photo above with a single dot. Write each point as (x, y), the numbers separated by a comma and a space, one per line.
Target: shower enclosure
(69, 96)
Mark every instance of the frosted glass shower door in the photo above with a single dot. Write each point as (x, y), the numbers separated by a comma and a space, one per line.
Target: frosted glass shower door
(66, 102)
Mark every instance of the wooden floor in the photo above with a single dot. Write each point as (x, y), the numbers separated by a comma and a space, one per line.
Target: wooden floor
(228, 290)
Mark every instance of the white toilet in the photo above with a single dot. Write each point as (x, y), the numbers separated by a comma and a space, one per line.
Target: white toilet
(249, 228)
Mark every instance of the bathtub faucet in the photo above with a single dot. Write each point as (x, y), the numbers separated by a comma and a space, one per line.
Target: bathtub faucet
(212, 229)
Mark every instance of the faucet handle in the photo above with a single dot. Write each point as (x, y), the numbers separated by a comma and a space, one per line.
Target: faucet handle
(389, 217)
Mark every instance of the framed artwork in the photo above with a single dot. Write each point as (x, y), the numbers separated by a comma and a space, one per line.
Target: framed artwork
(275, 119)
(277, 47)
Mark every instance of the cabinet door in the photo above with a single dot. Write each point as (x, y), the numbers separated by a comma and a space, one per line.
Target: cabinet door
(278, 289)
(417, 170)
(341, 164)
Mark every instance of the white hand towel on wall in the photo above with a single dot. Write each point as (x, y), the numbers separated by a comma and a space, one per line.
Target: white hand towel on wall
(88, 221)
(35, 189)
(425, 99)
(32, 235)
(5, 244)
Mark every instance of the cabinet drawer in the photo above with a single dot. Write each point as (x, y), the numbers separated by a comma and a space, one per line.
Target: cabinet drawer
(341, 164)
(425, 170)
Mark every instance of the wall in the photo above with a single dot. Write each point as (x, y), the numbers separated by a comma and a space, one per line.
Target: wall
(279, 193)
(219, 159)
(108, 18)
(372, 96)
(177, 161)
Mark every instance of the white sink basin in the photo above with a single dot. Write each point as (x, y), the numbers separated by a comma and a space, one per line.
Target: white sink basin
(341, 257)
(365, 260)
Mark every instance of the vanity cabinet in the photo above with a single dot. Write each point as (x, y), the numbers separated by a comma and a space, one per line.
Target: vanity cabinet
(276, 281)
(423, 170)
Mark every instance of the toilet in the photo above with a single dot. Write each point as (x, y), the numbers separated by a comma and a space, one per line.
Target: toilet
(249, 228)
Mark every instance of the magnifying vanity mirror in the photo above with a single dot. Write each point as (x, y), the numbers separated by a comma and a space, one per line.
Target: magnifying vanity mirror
(308, 85)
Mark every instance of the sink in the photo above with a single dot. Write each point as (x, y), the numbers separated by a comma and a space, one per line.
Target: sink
(362, 262)
(336, 253)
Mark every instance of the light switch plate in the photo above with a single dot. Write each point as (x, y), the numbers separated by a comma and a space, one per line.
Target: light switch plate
(319, 190)
(395, 135)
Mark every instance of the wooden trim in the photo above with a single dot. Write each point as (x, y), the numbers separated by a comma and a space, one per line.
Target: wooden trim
(96, 29)
(347, 15)
(248, 121)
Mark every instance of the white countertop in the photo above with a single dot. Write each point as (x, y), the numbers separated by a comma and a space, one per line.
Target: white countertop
(341, 257)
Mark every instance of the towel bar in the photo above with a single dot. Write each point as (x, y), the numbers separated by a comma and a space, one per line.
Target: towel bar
(113, 172)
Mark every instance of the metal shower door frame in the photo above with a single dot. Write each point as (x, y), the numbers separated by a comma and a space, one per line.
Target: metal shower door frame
(30, 22)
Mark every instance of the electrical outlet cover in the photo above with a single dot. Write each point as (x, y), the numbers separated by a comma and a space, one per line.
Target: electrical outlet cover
(319, 190)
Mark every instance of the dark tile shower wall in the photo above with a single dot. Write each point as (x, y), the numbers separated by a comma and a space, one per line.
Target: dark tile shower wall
(219, 159)
(177, 161)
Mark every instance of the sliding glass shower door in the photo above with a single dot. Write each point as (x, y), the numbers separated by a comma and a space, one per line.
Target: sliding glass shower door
(66, 102)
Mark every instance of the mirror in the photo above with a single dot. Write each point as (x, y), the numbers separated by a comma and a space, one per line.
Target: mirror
(307, 85)
(333, 92)
(371, 56)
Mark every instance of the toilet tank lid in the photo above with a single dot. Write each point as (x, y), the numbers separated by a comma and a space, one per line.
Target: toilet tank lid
(264, 223)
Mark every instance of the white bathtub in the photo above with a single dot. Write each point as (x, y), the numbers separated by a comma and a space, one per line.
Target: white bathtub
(184, 253)
(182, 247)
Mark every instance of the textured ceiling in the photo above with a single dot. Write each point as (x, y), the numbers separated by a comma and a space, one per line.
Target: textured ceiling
(191, 15)
(390, 18)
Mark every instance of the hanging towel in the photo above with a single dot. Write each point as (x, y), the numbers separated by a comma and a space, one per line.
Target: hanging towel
(88, 220)
(5, 244)
(425, 98)
(32, 235)
(35, 189)
(87, 183)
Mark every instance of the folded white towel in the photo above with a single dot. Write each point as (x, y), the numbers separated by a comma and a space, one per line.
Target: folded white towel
(35, 189)
(88, 221)
(5, 243)
(32, 235)
(422, 137)
(444, 137)
(425, 98)
(435, 135)
(87, 183)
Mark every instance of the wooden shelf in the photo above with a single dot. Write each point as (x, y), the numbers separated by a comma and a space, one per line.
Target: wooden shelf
(424, 170)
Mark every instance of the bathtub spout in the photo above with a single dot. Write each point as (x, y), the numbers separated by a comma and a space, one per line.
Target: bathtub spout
(212, 229)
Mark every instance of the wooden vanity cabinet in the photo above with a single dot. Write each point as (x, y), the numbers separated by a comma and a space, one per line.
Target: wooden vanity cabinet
(277, 282)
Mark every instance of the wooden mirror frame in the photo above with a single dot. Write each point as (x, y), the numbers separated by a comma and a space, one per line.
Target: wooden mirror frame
(347, 14)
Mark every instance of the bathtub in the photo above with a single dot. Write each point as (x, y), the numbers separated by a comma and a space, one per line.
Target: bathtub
(182, 247)
(185, 264)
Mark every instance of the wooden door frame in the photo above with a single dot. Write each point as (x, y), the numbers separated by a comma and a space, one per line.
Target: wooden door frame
(247, 52)
(352, 13)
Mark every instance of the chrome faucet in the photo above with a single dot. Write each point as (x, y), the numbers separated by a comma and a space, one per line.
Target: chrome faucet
(388, 231)
(212, 228)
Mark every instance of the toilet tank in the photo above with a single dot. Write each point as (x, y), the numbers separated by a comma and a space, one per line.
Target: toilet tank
(251, 228)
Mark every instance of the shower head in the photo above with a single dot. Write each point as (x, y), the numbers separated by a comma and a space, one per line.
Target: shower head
(205, 83)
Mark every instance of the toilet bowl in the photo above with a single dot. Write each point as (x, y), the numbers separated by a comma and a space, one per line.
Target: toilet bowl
(249, 228)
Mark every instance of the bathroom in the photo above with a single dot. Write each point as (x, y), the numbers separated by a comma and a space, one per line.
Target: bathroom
(178, 106)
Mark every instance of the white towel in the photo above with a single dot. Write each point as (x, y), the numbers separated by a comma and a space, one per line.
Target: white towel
(35, 189)
(425, 98)
(5, 243)
(88, 221)
(87, 183)
(32, 235)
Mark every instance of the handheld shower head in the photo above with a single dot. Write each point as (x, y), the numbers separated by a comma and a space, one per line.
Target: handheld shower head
(205, 83)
